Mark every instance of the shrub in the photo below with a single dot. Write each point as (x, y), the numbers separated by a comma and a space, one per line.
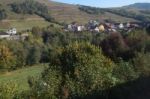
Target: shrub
(8, 90)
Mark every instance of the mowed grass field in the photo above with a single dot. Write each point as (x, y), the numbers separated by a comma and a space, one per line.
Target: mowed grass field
(20, 76)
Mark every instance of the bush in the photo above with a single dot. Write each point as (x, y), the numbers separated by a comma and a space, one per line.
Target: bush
(8, 90)
(81, 68)
(114, 46)
(142, 64)
(48, 87)
(125, 72)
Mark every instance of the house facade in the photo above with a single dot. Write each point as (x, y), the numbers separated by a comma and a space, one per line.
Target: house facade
(12, 31)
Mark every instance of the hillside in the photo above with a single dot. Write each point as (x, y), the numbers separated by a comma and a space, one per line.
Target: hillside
(67, 13)
(60, 11)
(143, 6)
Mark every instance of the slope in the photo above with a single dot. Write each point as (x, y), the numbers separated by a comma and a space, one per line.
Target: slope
(60, 11)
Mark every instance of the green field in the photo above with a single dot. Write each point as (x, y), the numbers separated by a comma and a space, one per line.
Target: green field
(23, 24)
(20, 76)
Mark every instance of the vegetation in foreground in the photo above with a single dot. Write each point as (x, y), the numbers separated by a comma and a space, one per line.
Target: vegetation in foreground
(81, 65)
(20, 76)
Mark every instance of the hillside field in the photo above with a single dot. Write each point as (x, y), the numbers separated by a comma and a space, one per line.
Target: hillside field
(20, 76)
(61, 12)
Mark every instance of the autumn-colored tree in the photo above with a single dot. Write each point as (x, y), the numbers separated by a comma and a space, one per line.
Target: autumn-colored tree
(7, 59)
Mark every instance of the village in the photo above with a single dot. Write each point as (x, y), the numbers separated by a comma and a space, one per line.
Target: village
(106, 26)
(91, 26)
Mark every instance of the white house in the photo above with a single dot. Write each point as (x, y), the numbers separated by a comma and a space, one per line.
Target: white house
(12, 31)
(121, 26)
(79, 28)
(70, 27)
(96, 29)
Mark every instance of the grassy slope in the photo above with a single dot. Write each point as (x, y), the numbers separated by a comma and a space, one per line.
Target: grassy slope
(20, 76)
(60, 11)
(20, 21)
(69, 13)
(23, 24)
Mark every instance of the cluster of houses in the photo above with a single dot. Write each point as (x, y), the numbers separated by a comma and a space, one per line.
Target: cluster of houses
(97, 26)
(11, 34)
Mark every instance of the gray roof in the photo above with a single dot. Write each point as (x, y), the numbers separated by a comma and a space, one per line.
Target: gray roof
(3, 33)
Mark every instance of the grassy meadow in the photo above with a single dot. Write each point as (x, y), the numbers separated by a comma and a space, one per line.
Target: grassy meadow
(20, 76)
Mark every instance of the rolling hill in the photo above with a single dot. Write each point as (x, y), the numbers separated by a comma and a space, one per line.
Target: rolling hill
(142, 6)
(61, 12)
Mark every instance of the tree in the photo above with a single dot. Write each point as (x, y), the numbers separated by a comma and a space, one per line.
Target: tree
(36, 31)
(81, 69)
(142, 64)
(114, 46)
(32, 7)
(87, 68)
(7, 59)
(125, 71)
(3, 14)
(34, 55)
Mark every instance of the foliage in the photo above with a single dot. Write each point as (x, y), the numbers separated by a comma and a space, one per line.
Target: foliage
(3, 14)
(47, 87)
(7, 59)
(125, 71)
(34, 55)
(142, 65)
(114, 46)
(137, 41)
(91, 10)
(129, 14)
(8, 90)
(32, 7)
(81, 69)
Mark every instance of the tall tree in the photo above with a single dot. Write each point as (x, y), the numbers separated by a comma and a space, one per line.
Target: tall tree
(7, 59)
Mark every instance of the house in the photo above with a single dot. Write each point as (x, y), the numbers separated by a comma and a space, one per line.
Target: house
(101, 28)
(4, 35)
(128, 25)
(96, 29)
(121, 26)
(12, 31)
(80, 28)
(69, 27)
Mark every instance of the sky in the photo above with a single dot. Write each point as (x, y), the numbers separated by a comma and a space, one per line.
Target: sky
(103, 3)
